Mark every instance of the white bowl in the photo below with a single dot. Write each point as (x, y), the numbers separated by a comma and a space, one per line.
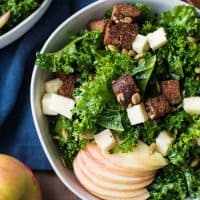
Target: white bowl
(56, 41)
(19, 30)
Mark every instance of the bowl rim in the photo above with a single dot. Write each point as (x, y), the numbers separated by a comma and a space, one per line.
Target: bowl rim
(33, 79)
(9, 34)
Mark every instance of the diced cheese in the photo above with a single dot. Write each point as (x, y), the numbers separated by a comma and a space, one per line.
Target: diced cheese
(105, 140)
(192, 105)
(198, 141)
(163, 141)
(54, 103)
(137, 114)
(53, 85)
(47, 105)
(140, 44)
(157, 39)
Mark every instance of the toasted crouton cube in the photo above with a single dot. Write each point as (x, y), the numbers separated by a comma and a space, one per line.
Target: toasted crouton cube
(124, 88)
(157, 39)
(171, 91)
(97, 25)
(105, 140)
(140, 44)
(68, 86)
(137, 114)
(120, 11)
(157, 107)
(120, 35)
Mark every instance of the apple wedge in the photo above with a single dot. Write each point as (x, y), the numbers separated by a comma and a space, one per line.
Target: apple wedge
(118, 162)
(107, 174)
(107, 184)
(140, 156)
(96, 190)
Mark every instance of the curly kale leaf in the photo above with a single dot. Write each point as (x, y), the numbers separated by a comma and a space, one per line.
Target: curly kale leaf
(144, 71)
(110, 119)
(182, 18)
(170, 184)
(77, 56)
(93, 97)
(181, 152)
(191, 87)
(20, 9)
(69, 143)
(176, 122)
(193, 183)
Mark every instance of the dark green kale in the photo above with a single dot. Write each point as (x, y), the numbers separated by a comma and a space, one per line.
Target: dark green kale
(20, 9)
(181, 152)
(93, 97)
(78, 56)
(193, 183)
(169, 184)
(68, 143)
(176, 122)
(110, 119)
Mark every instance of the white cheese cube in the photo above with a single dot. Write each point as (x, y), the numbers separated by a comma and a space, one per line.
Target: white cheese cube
(140, 44)
(198, 141)
(163, 141)
(137, 114)
(53, 85)
(157, 39)
(57, 104)
(47, 105)
(105, 140)
(62, 105)
(192, 105)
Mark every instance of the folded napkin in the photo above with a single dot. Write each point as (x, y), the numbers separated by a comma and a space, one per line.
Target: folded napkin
(17, 133)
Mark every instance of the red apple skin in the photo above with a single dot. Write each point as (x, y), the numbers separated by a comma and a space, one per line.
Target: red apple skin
(33, 186)
(12, 179)
(20, 182)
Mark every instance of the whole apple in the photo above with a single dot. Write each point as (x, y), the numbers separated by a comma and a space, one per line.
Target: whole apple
(17, 180)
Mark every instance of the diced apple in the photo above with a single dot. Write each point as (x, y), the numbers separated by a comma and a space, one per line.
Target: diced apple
(157, 39)
(53, 85)
(191, 105)
(140, 44)
(56, 104)
(163, 141)
(137, 114)
(47, 107)
(105, 140)
(198, 141)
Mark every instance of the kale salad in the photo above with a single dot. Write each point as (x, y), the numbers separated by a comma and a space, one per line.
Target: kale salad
(12, 12)
(136, 74)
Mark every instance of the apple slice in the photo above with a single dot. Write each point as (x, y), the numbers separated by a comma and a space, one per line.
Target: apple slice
(106, 174)
(140, 156)
(110, 185)
(107, 184)
(140, 197)
(116, 161)
(96, 190)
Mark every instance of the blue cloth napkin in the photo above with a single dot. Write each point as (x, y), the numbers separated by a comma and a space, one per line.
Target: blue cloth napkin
(17, 133)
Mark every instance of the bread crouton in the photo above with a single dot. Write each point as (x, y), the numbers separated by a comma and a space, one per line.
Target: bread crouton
(120, 35)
